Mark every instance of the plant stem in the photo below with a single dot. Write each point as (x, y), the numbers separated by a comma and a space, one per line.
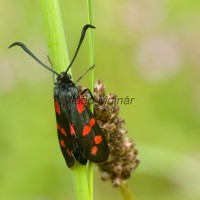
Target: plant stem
(91, 41)
(81, 181)
(57, 51)
(126, 193)
(91, 62)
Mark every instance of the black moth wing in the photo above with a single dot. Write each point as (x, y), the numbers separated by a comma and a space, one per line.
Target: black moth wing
(65, 138)
(91, 141)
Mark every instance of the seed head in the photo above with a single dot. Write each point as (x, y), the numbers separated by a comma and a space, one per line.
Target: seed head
(122, 153)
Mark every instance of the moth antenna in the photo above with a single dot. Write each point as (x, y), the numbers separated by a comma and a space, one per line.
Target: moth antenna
(23, 46)
(80, 42)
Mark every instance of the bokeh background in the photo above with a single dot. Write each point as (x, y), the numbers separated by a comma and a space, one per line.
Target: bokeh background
(147, 49)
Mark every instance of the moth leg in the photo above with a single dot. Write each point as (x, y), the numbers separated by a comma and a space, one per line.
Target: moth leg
(88, 90)
(100, 101)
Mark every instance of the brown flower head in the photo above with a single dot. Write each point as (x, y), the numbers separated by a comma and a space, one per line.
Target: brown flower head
(122, 153)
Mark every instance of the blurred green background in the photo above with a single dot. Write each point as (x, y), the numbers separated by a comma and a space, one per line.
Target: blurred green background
(147, 49)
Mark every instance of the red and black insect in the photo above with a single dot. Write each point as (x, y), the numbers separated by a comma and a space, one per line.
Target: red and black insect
(80, 137)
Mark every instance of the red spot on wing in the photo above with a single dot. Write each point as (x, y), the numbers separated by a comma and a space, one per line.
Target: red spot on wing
(58, 126)
(62, 130)
(72, 131)
(97, 139)
(80, 104)
(57, 107)
(62, 143)
(92, 122)
(86, 130)
(94, 150)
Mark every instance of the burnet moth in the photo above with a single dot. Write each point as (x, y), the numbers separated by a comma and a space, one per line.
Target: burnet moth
(79, 135)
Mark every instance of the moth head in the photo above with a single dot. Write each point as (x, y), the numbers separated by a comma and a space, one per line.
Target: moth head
(63, 77)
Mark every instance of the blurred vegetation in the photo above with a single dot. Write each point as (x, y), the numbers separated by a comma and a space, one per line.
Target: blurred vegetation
(143, 49)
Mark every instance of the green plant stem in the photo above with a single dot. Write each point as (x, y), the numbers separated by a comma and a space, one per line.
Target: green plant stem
(91, 41)
(126, 193)
(81, 181)
(91, 33)
(91, 62)
(57, 51)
